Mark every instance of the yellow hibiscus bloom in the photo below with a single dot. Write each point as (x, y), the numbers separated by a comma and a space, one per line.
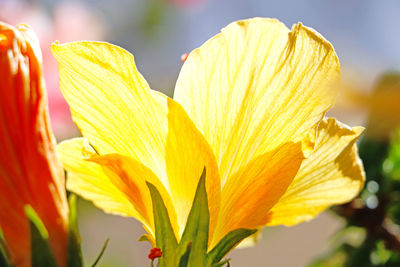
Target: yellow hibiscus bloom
(249, 105)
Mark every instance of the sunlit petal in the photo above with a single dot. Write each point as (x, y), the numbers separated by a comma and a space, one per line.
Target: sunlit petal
(252, 100)
(251, 192)
(187, 155)
(130, 177)
(119, 114)
(333, 174)
(89, 180)
(112, 104)
(256, 86)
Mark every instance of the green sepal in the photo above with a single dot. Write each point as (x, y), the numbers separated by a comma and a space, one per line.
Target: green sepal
(4, 258)
(222, 263)
(227, 243)
(184, 259)
(98, 258)
(192, 248)
(144, 237)
(42, 254)
(165, 237)
(197, 227)
(74, 257)
(147, 238)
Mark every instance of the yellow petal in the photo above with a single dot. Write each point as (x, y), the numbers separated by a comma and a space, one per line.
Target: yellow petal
(115, 109)
(256, 86)
(114, 183)
(332, 174)
(112, 104)
(130, 177)
(251, 192)
(187, 155)
(89, 180)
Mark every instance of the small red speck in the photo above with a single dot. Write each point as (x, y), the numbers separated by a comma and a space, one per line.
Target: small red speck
(184, 57)
(155, 253)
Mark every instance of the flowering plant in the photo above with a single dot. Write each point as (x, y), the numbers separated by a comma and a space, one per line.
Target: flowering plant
(242, 145)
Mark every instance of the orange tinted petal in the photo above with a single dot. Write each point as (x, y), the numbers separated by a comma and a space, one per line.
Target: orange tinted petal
(130, 177)
(254, 190)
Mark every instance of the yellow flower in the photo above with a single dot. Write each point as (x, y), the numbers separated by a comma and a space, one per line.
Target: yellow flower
(248, 105)
(30, 173)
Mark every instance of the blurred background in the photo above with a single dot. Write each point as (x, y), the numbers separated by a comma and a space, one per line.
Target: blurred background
(365, 34)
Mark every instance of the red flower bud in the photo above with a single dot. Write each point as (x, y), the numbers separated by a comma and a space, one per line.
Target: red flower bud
(155, 253)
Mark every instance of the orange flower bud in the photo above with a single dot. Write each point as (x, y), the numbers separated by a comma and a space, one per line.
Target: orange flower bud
(30, 173)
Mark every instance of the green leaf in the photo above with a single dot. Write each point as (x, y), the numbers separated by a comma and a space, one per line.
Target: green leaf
(335, 258)
(394, 211)
(100, 254)
(74, 257)
(227, 243)
(196, 229)
(391, 166)
(165, 237)
(373, 153)
(361, 255)
(41, 251)
(381, 255)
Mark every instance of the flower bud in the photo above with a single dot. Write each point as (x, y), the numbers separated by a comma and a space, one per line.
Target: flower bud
(30, 173)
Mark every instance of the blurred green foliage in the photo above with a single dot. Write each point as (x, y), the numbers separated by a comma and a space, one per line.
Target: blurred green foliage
(391, 165)
(371, 235)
